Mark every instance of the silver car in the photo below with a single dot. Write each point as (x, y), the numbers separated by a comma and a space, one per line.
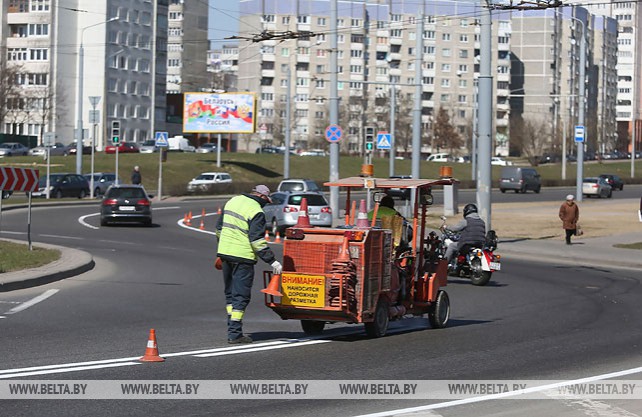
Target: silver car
(102, 181)
(596, 186)
(13, 149)
(285, 208)
(57, 149)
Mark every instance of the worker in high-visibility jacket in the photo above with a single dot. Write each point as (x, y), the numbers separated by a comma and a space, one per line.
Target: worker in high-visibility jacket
(241, 241)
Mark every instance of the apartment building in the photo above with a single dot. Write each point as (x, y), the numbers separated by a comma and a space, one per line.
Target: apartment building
(124, 61)
(546, 52)
(629, 82)
(223, 66)
(187, 46)
(376, 49)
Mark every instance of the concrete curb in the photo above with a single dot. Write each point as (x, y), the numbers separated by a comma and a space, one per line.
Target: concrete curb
(72, 262)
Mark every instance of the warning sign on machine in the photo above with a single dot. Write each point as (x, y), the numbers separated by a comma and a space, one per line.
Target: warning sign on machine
(303, 290)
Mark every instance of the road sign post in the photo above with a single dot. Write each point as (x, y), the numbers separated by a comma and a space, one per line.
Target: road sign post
(162, 143)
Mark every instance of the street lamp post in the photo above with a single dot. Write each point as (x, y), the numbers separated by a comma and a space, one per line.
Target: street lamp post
(79, 125)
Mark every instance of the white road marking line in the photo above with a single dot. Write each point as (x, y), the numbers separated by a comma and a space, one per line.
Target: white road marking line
(13, 233)
(65, 370)
(2, 317)
(32, 302)
(112, 363)
(503, 395)
(181, 223)
(82, 221)
(259, 349)
(63, 237)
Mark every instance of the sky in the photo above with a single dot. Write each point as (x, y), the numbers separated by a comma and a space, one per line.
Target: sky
(223, 20)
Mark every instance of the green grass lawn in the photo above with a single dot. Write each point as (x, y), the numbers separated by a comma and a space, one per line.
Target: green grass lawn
(17, 256)
(248, 169)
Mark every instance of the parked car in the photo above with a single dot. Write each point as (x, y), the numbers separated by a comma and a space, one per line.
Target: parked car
(462, 159)
(269, 149)
(13, 149)
(62, 185)
(614, 181)
(314, 152)
(496, 160)
(86, 150)
(208, 148)
(126, 203)
(57, 149)
(149, 146)
(596, 186)
(284, 210)
(123, 147)
(6, 194)
(206, 180)
(439, 157)
(102, 181)
(298, 184)
(519, 179)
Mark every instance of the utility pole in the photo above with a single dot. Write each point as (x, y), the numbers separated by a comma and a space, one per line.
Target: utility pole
(485, 122)
(334, 108)
(288, 107)
(416, 121)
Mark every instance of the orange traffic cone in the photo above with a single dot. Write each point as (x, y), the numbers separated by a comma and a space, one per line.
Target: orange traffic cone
(273, 286)
(344, 252)
(353, 210)
(185, 219)
(219, 211)
(278, 238)
(303, 220)
(267, 236)
(202, 226)
(189, 219)
(151, 353)
(362, 217)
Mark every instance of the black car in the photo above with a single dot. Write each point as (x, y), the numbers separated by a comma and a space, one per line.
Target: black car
(6, 194)
(614, 181)
(62, 185)
(269, 149)
(126, 203)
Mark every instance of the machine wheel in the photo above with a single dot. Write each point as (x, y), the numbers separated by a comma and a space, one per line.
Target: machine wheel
(537, 190)
(502, 190)
(379, 326)
(59, 194)
(621, 187)
(440, 311)
(312, 327)
(523, 190)
(82, 194)
(97, 192)
(610, 194)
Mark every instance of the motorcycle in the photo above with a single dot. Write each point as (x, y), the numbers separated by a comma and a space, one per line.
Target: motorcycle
(475, 263)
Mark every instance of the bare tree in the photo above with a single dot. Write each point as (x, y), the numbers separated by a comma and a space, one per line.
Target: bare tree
(531, 136)
(445, 135)
(9, 90)
(402, 115)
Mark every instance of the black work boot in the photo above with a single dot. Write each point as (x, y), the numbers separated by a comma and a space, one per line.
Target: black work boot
(239, 340)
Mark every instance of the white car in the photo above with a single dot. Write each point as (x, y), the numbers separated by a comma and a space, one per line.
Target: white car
(206, 180)
(207, 148)
(496, 160)
(13, 149)
(439, 157)
(596, 186)
(149, 146)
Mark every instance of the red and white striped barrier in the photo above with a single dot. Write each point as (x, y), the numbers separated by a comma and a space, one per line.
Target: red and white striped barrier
(18, 179)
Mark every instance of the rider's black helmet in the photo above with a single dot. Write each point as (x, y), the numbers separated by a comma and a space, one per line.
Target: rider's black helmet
(470, 208)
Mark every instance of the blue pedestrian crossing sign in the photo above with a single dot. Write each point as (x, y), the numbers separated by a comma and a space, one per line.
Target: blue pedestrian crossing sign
(384, 140)
(161, 139)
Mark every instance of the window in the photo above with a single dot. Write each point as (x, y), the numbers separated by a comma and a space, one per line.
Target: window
(38, 29)
(395, 18)
(444, 98)
(143, 65)
(445, 36)
(285, 20)
(445, 52)
(321, 53)
(356, 69)
(175, 32)
(429, 34)
(285, 51)
(503, 39)
(463, 38)
(321, 21)
(16, 54)
(268, 18)
(461, 98)
(303, 19)
(173, 15)
(445, 67)
(39, 54)
(39, 5)
(396, 33)
(267, 96)
(303, 50)
(429, 50)
(319, 83)
(303, 82)
(356, 53)
(355, 23)
(462, 68)
(445, 82)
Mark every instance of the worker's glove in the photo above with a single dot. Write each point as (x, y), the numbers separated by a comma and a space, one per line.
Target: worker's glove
(277, 268)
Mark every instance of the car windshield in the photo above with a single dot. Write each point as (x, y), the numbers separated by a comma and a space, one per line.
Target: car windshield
(126, 193)
(54, 178)
(313, 199)
(205, 177)
(5, 145)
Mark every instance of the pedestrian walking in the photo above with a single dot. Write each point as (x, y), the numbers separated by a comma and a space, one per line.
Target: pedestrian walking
(241, 241)
(137, 179)
(569, 214)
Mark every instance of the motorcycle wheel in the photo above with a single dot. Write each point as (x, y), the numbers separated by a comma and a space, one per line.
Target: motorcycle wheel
(478, 276)
(440, 311)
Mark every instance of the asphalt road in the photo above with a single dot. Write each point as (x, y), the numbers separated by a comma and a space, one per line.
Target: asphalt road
(536, 321)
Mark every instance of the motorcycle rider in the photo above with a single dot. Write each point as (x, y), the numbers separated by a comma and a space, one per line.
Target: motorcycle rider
(473, 232)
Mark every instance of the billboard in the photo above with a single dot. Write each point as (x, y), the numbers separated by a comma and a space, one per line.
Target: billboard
(219, 113)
